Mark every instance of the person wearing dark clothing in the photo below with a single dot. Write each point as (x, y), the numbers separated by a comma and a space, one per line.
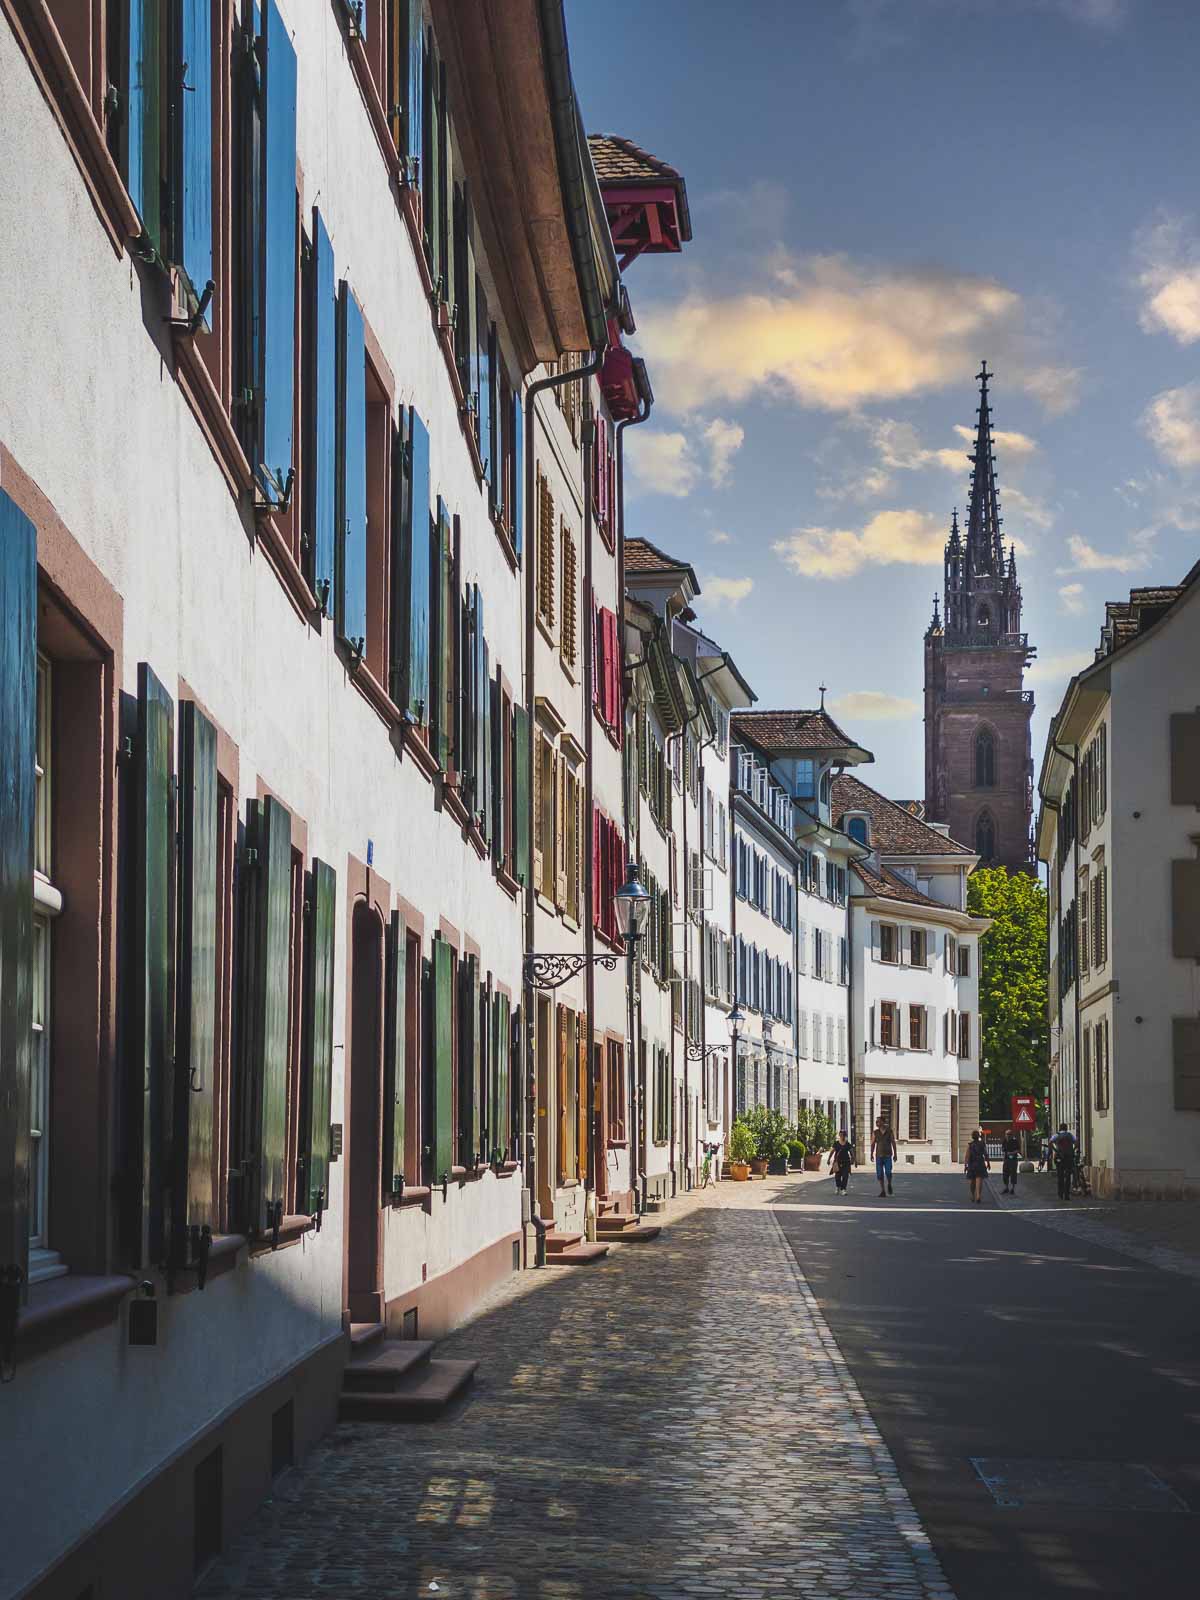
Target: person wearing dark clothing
(976, 1166)
(1064, 1146)
(1011, 1150)
(840, 1159)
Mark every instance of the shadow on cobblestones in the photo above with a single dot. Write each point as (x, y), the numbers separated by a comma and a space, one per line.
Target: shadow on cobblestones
(676, 1421)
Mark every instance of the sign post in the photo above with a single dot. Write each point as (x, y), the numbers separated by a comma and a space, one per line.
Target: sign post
(1024, 1115)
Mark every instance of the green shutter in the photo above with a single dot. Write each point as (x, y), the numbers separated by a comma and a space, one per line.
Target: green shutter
(501, 1114)
(468, 1062)
(196, 985)
(151, 963)
(487, 1064)
(522, 818)
(266, 1068)
(141, 127)
(500, 798)
(395, 1057)
(18, 701)
(319, 971)
(443, 1059)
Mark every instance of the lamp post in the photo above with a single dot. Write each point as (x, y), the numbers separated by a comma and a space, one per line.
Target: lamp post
(633, 907)
(734, 1023)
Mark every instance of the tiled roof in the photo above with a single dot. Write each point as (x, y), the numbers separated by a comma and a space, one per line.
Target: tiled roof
(777, 732)
(642, 556)
(618, 160)
(894, 831)
(888, 885)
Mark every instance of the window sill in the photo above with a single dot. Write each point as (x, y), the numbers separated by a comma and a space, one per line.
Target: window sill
(42, 45)
(619, 1142)
(65, 1308)
(507, 542)
(453, 802)
(546, 632)
(414, 1195)
(412, 744)
(291, 1231)
(376, 696)
(506, 1169)
(507, 882)
(207, 406)
(222, 1257)
(287, 569)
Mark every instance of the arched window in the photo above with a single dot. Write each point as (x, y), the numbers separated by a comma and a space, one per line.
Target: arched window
(856, 827)
(985, 838)
(985, 760)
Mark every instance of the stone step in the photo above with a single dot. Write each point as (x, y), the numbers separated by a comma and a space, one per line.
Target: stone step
(638, 1233)
(423, 1394)
(578, 1255)
(557, 1242)
(385, 1366)
(363, 1334)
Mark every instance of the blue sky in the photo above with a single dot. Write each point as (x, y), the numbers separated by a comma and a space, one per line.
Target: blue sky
(882, 193)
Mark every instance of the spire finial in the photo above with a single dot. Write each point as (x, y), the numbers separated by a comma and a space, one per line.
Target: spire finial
(985, 552)
(822, 689)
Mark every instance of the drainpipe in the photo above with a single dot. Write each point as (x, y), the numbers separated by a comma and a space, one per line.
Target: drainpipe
(555, 381)
(1054, 806)
(589, 929)
(1073, 758)
(637, 1175)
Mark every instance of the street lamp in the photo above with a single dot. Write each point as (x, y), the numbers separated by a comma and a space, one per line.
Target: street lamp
(633, 905)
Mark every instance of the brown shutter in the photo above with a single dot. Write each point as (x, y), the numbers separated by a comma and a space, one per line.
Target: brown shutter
(1185, 759)
(583, 1103)
(1186, 1039)
(1185, 910)
(561, 1119)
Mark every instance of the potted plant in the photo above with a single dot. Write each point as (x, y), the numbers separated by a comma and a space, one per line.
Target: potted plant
(771, 1133)
(815, 1131)
(796, 1154)
(741, 1149)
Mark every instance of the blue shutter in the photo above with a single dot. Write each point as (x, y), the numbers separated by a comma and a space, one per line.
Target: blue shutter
(279, 259)
(143, 116)
(18, 699)
(324, 412)
(414, 113)
(350, 608)
(518, 505)
(194, 177)
(483, 363)
(417, 700)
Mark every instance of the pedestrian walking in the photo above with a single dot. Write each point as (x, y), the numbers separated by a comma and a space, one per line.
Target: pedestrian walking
(1011, 1151)
(976, 1165)
(1064, 1146)
(841, 1158)
(883, 1149)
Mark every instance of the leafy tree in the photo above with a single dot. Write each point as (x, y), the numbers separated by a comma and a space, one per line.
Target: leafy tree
(1012, 985)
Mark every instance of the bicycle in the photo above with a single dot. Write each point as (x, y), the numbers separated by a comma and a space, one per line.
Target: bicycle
(1079, 1179)
(706, 1172)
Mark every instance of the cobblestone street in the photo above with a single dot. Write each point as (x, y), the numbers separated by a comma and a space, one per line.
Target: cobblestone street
(674, 1421)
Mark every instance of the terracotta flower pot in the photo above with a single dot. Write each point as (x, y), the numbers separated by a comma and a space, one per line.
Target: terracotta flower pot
(759, 1166)
(739, 1171)
(813, 1163)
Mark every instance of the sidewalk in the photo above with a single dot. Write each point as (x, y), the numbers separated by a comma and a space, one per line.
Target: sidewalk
(1162, 1233)
(675, 1421)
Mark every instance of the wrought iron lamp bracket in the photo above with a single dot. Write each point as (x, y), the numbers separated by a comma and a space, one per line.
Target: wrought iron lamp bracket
(550, 971)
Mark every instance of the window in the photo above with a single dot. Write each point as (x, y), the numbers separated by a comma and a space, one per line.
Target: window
(1103, 1089)
(543, 817)
(889, 942)
(859, 828)
(662, 1095)
(889, 1024)
(614, 1090)
(606, 689)
(918, 1028)
(985, 838)
(964, 960)
(841, 1056)
(843, 960)
(889, 1110)
(918, 947)
(1084, 902)
(818, 1037)
(985, 759)
(964, 1035)
(1099, 917)
(572, 832)
(831, 1040)
(916, 1116)
(545, 572)
(569, 631)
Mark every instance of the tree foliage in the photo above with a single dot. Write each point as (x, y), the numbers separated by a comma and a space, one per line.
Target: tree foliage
(1012, 985)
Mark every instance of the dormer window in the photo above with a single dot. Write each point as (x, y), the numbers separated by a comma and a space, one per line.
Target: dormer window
(858, 827)
(806, 774)
(826, 788)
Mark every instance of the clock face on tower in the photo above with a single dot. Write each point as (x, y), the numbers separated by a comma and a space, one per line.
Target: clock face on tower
(978, 749)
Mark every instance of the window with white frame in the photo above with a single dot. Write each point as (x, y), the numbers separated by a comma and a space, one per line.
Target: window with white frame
(918, 947)
(918, 1028)
(889, 942)
(889, 1024)
(916, 1116)
(818, 1034)
(47, 903)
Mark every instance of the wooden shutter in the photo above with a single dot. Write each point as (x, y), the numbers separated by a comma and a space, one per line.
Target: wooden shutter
(560, 831)
(440, 629)
(395, 1056)
(487, 393)
(430, 160)
(278, 321)
(266, 1069)
(518, 483)
(418, 699)
(323, 401)
(18, 743)
(584, 1105)
(150, 1020)
(522, 813)
(1185, 758)
(502, 1122)
(1186, 1062)
(350, 608)
(196, 984)
(500, 798)
(487, 1067)
(317, 1063)
(561, 1085)
(443, 1059)
(409, 50)
(141, 127)
(468, 1061)
(193, 152)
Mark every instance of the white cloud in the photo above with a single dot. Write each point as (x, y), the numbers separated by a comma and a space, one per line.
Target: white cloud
(872, 705)
(1003, 439)
(1086, 558)
(726, 591)
(1071, 597)
(899, 446)
(1056, 389)
(723, 440)
(836, 334)
(1057, 669)
(1172, 424)
(1033, 511)
(675, 464)
(1170, 279)
(718, 536)
(911, 538)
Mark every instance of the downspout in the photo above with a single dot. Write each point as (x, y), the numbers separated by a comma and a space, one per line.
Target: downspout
(637, 1175)
(1056, 807)
(1078, 1062)
(589, 925)
(554, 381)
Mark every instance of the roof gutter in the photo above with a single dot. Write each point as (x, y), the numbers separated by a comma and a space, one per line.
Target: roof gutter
(581, 193)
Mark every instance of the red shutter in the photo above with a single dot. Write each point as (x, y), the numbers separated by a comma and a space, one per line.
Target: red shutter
(599, 661)
(597, 879)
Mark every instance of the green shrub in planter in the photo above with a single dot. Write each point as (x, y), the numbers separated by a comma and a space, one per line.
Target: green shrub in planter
(771, 1133)
(742, 1146)
(815, 1130)
(796, 1153)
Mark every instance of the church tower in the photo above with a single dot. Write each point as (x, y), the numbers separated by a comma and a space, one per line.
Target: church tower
(978, 750)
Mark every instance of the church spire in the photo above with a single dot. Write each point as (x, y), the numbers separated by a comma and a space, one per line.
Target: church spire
(985, 549)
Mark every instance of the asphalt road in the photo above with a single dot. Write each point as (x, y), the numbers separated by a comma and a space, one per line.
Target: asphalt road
(975, 1333)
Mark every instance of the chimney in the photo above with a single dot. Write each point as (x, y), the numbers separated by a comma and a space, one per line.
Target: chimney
(940, 827)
